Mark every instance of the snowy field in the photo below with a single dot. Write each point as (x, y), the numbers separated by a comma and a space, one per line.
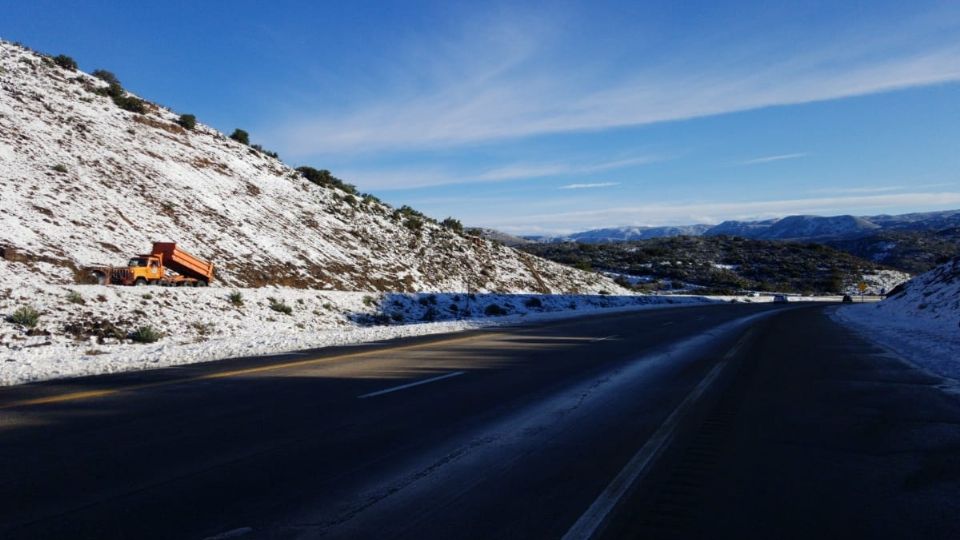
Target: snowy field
(921, 325)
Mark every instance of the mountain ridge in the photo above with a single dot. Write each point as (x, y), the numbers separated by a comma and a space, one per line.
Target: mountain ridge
(798, 227)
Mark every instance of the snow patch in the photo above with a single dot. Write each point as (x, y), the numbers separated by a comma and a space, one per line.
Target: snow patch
(921, 324)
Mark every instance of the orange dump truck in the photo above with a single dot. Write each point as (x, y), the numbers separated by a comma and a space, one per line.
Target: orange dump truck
(164, 265)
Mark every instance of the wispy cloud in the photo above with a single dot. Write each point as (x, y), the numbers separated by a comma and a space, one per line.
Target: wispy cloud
(509, 83)
(768, 159)
(590, 186)
(710, 212)
(878, 189)
(415, 178)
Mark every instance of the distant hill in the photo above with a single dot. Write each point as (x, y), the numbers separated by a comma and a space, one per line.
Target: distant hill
(501, 237)
(911, 251)
(912, 243)
(800, 228)
(724, 264)
(626, 234)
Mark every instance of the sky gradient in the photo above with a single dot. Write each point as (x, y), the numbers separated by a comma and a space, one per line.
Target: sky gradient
(556, 117)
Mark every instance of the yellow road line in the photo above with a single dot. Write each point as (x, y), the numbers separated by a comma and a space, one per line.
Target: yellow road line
(93, 394)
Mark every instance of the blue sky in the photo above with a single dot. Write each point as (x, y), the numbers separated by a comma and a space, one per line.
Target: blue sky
(559, 116)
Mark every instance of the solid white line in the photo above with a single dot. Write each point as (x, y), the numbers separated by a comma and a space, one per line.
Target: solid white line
(605, 338)
(594, 518)
(411, 385)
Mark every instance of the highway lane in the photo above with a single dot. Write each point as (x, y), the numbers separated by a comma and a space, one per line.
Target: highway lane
(817, 434)
(509, 432)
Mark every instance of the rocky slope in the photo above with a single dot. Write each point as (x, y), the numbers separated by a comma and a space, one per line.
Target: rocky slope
(85, 181)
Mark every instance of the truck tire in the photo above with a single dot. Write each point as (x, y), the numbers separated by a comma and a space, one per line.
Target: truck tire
(140, 282)
(202, 283)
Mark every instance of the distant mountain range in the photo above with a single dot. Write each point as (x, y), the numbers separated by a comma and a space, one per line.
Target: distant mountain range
(795, 228)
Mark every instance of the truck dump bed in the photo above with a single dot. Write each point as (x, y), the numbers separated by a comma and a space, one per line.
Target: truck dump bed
(182, 262)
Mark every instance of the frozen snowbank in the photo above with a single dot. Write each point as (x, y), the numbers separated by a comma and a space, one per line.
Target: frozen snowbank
(921, 324)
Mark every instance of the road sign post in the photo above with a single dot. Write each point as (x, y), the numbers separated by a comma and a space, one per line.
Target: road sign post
(862, 287)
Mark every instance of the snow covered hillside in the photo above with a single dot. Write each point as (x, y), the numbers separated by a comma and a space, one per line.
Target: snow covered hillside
(84, 181)
(921, 323)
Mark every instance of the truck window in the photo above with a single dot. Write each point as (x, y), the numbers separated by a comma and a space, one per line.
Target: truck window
(137, 262)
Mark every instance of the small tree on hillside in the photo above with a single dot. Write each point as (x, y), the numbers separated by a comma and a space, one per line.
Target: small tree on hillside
(187, 121)
(240, 136)
(322, 177)
(65, 62)
(453, 224)
(106, 76)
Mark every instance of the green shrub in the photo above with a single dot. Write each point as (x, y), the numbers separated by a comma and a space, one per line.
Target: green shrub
(240, 136)
(415, 224)
(26, 316)
(131, 103)
(369, 301)
(236, 298)
(145, 334)
(65, 62)
(370, 199)
(322, 177)
(453, 224)
(187, 121)
(494, 310)
(113, 90)
(75, 298)
(106, 76)
(279, 306)
(60, 168)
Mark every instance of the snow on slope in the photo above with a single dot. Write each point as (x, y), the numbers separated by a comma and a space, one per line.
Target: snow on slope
(879, 282)
(132, 179)
(921, 324)
(86, 334)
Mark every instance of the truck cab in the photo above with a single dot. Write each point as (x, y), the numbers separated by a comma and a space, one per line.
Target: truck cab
(145, 269)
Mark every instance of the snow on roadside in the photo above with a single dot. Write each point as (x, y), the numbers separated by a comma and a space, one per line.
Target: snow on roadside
(879, 282)
(84, 329)
(921, 324)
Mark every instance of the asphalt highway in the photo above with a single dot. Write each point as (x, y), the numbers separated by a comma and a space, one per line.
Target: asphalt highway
(512, 432)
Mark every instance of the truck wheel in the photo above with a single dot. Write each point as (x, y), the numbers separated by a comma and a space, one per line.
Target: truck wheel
(140, 282)
(202, 283)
